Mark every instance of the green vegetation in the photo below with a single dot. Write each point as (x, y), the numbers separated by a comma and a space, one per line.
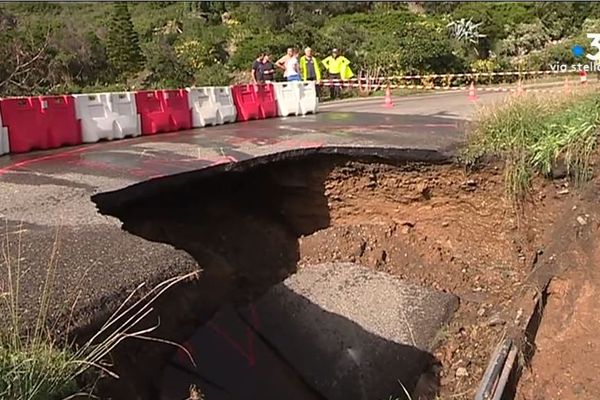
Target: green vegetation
(122, 44)
(537, 135)
(75, 47)
(34, 365)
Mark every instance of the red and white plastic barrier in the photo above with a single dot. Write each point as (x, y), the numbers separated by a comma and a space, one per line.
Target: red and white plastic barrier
(211, 105)
(163, 111)
(223, 98)
(309, 102)
(107, 116)
(4, 145)
(288, 98)
(246, 102)
(254, 101)
(43, 122)
(295, 98)
(267, 104)
(204, 109)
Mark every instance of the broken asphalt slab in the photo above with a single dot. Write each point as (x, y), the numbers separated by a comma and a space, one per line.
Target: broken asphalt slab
(337, 329)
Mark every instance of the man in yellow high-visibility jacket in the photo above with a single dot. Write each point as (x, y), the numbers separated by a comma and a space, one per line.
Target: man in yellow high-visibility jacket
(310, 69)
(338, 67)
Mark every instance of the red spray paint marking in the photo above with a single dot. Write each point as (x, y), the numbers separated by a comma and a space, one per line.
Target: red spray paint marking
(247, 353)
(139, 172)
(24, 163)
(254, 316)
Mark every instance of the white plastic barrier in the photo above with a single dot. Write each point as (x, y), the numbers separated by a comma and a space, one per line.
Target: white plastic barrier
(107, 116)
(309, 102)
(4, 145)
(205, 110)
(288, 98)
(222, 98)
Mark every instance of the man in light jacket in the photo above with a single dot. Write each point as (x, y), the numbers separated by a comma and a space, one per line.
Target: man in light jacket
(338, 67)
(310, 69)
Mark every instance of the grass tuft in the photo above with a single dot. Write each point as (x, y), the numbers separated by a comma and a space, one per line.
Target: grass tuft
(35, 366)
(537, 135)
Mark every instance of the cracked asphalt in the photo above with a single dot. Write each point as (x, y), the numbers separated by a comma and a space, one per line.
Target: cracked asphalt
(46, 206)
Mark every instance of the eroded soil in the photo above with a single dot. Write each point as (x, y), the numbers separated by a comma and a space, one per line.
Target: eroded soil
(441, 227)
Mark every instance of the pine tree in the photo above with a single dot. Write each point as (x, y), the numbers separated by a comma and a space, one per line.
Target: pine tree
(122, 44)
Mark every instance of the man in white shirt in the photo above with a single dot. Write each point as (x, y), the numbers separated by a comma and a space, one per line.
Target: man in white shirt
(281, 63)
(292, 67)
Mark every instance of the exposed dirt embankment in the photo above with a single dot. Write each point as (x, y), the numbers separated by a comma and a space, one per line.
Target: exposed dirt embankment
(441, 227)
(564, 355)
(434, 225)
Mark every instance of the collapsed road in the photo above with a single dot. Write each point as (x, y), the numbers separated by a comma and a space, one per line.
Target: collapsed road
(46, 203)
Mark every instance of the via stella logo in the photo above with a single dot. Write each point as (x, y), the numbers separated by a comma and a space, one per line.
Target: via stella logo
(579, 51)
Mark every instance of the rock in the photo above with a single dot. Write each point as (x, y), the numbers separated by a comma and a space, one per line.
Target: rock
(564, 191)
(445, 224)
(581, 220)
(408, 223)
(481, 312)
(461, 372)
(471, 182)
(495, 320)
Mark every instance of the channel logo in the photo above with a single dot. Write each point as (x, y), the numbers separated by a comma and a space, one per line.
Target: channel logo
(579, 51)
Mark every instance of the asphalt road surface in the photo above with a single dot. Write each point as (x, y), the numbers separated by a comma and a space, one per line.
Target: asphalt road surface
(45, 196)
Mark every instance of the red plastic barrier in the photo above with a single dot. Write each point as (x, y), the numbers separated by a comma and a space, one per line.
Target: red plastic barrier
(63, 126)
(163, 111)
(152, 113)
(266, 100)
(176, 104)
(246, 102)
(42, 122)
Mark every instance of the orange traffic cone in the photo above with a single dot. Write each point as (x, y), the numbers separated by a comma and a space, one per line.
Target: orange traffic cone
(388, 103)
(583, 77)
(472, 93)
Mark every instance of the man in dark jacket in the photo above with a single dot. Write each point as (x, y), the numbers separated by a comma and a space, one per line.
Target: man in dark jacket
(256, 68)
(268, 69)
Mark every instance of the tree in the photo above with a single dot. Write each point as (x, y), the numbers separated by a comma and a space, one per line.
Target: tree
(465, 32)
(122, 43)
(524, 39)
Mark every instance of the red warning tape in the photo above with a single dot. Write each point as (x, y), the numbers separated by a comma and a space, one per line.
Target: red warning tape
(459, 75)
(347, 84)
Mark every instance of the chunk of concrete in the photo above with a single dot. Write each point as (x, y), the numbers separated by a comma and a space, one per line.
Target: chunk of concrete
(353, 333)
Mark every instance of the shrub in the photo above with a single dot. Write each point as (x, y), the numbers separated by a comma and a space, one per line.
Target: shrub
(532, 134)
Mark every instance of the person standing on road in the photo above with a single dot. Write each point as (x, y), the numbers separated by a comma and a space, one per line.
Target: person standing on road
(310, 70)
(338, 67)
(281, 63)
(292, 68)
(257, 68)
(268, 69)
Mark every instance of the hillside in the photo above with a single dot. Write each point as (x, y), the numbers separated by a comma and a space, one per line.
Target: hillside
(60, 47)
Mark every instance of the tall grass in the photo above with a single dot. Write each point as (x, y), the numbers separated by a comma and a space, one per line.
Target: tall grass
(536, 135)
(36, 366)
